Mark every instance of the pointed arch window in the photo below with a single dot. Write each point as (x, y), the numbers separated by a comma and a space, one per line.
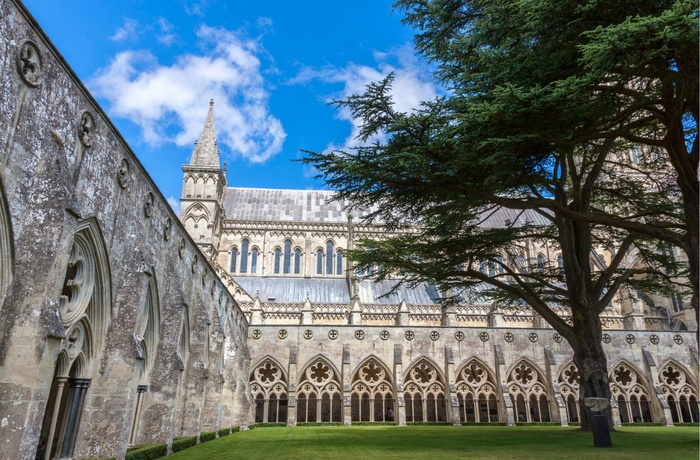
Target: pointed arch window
(234, 260)
(254, 260)
(540, 262)
(319, 262)
(244, 256)
(329, 258)
(339, 262)
(277, 257)
(287, 257)
(297, 261)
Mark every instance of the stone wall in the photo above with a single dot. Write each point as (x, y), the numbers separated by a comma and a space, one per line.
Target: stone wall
(109, 313)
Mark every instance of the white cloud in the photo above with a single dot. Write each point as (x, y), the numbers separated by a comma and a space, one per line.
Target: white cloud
(170, 102)
(126, 32)
(174, 203)
(412, 84)
(166, 35)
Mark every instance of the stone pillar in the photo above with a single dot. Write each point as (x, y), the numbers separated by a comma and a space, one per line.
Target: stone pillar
(140, 390)
(615, 412)
(660, 407)
(355, 313)
(347, 393)
(449, 316)
(554, 385)
(495, 318)
(77, 401)
(398, 389)
(402, 317)
(307, 313)
(292, 388)
(501, 376)
(451, 388)
(256, 312)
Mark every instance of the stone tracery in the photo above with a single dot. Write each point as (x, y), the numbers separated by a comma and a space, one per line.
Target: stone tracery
(528, 390)
(630, 392)
(268, 385)
(476, 393)
(425, 394)
(372, 393)
(680, 392)
(318, 394)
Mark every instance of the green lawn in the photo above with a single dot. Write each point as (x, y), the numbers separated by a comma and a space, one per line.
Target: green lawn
(446, 442)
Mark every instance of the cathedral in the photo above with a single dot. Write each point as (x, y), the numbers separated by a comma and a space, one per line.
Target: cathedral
(122, 323)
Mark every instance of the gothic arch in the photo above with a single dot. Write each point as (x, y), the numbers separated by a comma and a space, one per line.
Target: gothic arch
(424, 392)
(372, 392)
(197, 207)
(319, 392)
(629, 387)
(529, 391)
(680, 390)
(268, 387)
(85, 309)
(569, 380)
(6, 247)
(477, 392)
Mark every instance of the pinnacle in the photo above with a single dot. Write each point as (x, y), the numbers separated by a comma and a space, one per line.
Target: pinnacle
(205, 150)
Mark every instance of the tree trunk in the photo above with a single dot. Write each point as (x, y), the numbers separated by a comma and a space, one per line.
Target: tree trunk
(592, 364)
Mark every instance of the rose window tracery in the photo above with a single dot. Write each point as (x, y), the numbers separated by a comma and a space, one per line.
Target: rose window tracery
(569, 388)
(424, 394)
(529, 392)
(630, 392)
(476, 393)
(680, 392)
(268, 386)
(372, 395)
(318, 397)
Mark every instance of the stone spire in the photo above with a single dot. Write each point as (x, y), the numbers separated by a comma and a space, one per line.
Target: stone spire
(205, 150)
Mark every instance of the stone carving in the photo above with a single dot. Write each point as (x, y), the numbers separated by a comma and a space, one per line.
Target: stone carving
(508, 336)
(678, 339)
(606, 338)
(533, 337)
(629, 338)
(359, 334)
(193, 266)
(557, 337)
(181, 249)
(86, 129)
(167, 229)
(484, 336)
(282, 334)
(74, 340)
(653, 338)
(123, 173)
(29, 64)
(308, 334)
(459, 335)
(384, 335)
(256, 334)
(333, 334)
(148, 205)
(434, 335)
(409, 335)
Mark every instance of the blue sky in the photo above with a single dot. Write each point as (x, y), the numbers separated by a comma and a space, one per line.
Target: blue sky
(271, 67)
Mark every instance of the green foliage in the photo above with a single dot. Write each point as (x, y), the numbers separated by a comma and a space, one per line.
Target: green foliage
(205, 436)
(184, 442)
(146, 452)
(266, 425)
(537, 424)
(687, 424)
(235, 429)
(428, 424)
(374, 423)
(224, 432)
(319, 424)
(642, 424)
(483, 424)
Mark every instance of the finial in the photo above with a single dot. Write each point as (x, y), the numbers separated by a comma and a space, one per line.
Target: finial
(211, 103)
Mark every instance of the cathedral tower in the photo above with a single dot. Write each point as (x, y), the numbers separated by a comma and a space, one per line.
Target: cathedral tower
(202, 189)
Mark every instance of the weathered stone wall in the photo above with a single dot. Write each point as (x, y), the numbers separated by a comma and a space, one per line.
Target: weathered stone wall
(499, 350)
(68, 176)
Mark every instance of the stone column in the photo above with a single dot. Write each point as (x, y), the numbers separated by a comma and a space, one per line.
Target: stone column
(554, 385)
(292, 388)
(347, 393)
(140, 390)
(451, 388)
(398, 389)
(501, 376)
(660, 406)
(60, 385)
(77, 402)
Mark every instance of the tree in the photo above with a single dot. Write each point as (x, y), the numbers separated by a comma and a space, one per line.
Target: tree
(525, 127)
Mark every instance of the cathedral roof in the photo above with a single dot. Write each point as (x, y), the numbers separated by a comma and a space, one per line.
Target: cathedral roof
(273, 205)
(205, 151)
(332, 290)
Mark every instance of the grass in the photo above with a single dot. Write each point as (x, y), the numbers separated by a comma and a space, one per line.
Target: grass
(446, 442)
